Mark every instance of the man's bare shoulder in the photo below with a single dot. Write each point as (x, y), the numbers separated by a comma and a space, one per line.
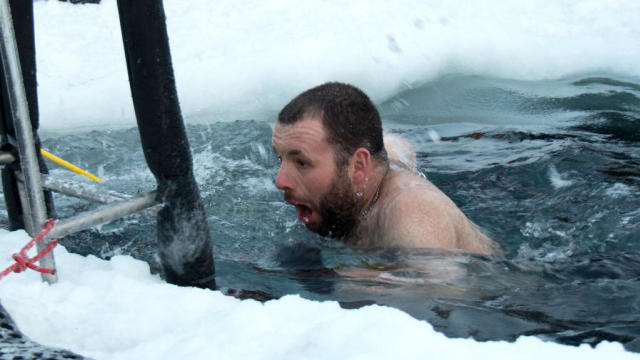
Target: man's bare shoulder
(418, 215)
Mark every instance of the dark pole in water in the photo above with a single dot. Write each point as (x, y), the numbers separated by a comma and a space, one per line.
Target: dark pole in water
(22, 14)
(184, 240)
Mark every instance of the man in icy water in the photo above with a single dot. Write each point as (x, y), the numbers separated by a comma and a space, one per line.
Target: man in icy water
(347, 182)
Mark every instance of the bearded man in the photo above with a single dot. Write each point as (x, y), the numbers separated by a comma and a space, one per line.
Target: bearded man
(347, 182)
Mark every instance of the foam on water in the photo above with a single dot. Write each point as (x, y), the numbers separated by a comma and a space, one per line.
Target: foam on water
(434, 136)
(235, 60)
(618, 190)
(557, 180)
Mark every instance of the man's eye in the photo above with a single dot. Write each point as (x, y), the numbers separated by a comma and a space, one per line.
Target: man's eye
(301, 163)
(279, 159)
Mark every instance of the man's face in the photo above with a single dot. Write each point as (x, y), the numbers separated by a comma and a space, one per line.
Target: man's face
(311, 181)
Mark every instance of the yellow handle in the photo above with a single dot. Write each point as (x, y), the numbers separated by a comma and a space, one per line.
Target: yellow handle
(69, 166)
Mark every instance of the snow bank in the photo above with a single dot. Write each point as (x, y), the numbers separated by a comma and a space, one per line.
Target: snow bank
(246, 59)
(117, 310)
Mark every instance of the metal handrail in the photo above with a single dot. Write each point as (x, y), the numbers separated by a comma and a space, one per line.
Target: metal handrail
(24, 132)
(102, 215)
(78, 190)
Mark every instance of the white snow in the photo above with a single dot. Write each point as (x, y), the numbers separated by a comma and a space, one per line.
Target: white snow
(240, 59)
(117, 310)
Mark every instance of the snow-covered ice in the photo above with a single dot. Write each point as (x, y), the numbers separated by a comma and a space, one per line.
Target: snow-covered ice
(117, 310)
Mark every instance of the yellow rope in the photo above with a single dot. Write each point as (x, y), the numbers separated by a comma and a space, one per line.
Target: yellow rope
(69, 166)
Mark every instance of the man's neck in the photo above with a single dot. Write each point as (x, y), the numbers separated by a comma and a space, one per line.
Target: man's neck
(373, 189)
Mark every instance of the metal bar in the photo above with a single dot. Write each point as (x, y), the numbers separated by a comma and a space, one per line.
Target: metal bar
(6, 158)
(24, 132)
(104, 214)
(71, 188)
(81, 191)
(26, 211)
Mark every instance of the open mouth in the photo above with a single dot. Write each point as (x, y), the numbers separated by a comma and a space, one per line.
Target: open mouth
(305, 213)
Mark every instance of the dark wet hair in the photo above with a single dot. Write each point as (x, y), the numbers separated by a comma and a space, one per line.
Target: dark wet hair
(349, 118)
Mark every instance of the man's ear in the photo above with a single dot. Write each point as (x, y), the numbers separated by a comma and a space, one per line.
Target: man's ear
(360, 166)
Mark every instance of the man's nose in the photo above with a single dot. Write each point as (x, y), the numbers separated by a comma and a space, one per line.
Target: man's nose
(284, 180)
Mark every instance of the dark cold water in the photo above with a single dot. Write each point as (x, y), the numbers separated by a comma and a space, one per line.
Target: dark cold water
(550, 169)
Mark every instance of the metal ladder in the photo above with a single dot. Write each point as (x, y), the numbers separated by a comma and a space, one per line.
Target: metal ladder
(31, 182)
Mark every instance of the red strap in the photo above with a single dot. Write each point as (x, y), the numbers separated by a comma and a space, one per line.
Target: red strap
(23, 261)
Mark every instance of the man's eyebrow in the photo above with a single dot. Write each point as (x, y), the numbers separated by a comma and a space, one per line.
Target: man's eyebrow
(293, 152)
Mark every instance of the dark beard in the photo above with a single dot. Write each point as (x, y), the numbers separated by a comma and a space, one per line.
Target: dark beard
(338, 208)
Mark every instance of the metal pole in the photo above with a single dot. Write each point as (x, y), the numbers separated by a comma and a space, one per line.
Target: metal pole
(24, 132)
(78, 190)
(102, 215)
(73, 189)
(26, 210)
